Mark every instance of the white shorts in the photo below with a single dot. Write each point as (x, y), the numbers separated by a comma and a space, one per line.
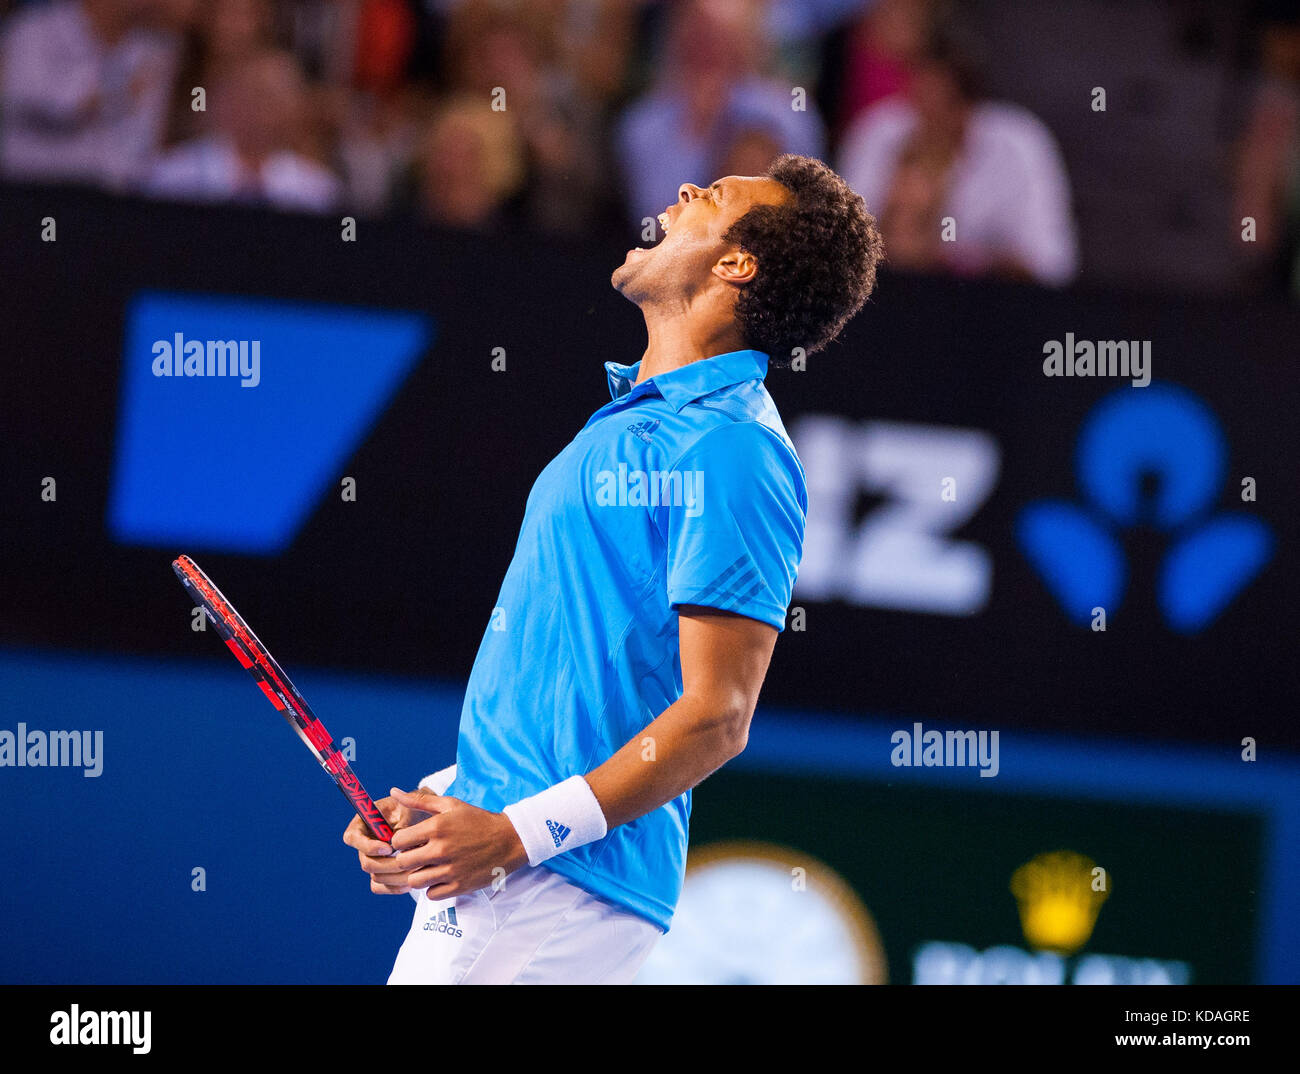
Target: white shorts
(537, 929)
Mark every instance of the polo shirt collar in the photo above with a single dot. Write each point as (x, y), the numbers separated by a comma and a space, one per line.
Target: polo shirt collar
(692, 381)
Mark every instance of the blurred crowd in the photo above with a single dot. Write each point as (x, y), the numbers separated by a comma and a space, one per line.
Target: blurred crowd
(579, 118)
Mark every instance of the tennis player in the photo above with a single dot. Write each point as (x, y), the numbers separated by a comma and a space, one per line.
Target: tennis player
(635, 624)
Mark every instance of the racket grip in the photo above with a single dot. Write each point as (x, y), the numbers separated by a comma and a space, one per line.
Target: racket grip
(365, 809)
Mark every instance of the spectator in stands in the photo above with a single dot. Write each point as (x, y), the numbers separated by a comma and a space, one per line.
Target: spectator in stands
(85, 87)
(512, 55)
(941, 152)
(252, 155)
(364, 115)
(1266, 180)
(747, 148)
(712, 74)
(383, 40)
(371, 140)
(471, 166)
(224, 34)
(797, 29)
(880, 50)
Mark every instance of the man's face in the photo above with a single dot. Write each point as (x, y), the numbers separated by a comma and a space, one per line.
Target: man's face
(684, 262)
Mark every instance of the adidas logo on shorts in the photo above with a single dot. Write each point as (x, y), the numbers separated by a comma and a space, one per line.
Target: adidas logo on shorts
(445, 922)
(558, 832)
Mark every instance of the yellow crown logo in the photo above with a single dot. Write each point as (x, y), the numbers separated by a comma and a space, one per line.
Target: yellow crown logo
(1059, 896)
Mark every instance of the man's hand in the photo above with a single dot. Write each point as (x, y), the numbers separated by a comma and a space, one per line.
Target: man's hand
(458, 849)
(449, 847)
(377, 857)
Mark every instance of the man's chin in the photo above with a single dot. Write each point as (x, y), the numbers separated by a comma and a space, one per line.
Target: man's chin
(629, 269)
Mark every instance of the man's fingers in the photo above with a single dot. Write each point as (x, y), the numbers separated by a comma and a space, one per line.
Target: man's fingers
(383, 866)
(426, 831)
(433, 852)
(382, 875)
(357, 836)
(426, 801)
(388, 875)
(433, 876)
(372, 848)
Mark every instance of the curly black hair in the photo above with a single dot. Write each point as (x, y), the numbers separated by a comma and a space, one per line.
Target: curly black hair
(817, 258)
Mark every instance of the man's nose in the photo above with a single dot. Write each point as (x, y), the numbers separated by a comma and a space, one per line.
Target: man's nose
(688, 192)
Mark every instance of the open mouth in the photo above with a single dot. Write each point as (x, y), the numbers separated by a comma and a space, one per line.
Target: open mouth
(663, 227)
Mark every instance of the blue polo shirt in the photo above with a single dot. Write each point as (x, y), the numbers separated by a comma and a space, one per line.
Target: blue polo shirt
(684, 489)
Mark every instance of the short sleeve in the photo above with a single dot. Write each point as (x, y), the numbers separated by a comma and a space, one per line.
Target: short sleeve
(736, 543)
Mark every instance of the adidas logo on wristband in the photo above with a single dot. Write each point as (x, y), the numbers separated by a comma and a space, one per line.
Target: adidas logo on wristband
(543, 837)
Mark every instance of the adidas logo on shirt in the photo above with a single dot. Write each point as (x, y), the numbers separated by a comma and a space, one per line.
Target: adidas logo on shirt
(558, 831)
(643, 430)
(445, 922)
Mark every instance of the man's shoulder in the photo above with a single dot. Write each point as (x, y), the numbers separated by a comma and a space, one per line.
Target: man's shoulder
(742, 424)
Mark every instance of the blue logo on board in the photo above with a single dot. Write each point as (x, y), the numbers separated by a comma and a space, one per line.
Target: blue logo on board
(1156, 457)
(237, 415)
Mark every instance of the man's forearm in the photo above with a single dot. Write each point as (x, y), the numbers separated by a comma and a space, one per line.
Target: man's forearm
(690, 739)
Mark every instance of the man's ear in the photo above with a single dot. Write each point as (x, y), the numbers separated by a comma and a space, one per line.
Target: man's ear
(736, 267)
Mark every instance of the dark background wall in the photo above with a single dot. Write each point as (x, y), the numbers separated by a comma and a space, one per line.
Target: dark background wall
(377, 606)
(412, 566)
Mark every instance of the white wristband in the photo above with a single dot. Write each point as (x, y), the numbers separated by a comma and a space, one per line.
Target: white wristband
(558, 819)
(440, 780)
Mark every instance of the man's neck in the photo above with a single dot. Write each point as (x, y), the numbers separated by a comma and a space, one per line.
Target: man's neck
(678, 341)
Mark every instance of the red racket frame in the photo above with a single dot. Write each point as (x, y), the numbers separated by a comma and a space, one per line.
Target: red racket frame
(257, 660)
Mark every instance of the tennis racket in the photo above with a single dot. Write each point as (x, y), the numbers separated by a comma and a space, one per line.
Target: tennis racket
(275, 684)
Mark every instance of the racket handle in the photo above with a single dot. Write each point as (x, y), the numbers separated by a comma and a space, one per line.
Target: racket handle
(365, 807)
